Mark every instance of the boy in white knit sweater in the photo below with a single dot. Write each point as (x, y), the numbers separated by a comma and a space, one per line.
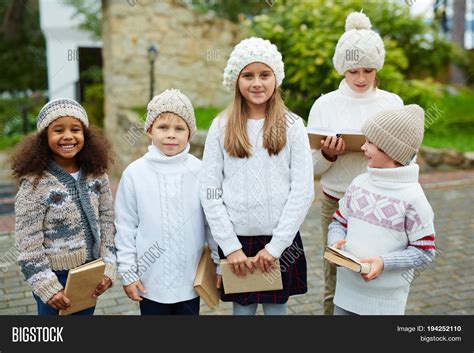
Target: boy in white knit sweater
(359, 56)
(161, 229)
(384, 218)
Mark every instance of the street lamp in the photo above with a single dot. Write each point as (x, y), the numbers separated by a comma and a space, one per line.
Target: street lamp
(152, 54)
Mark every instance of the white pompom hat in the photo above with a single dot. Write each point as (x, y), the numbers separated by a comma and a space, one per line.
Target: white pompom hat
(359, 46)
(252, 50)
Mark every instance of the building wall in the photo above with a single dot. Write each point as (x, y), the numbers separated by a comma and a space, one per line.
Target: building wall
(193, 51)
(63, 38)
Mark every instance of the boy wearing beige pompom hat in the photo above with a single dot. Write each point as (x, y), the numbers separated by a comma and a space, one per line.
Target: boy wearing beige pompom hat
(161, 229)
(359, 55)
(384, 218)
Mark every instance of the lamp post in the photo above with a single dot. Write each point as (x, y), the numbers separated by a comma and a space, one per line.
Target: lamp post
(152, 54)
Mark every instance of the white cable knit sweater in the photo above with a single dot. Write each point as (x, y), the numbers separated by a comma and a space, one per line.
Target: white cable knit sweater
(161, 229)
(261, 195)
(344, 108)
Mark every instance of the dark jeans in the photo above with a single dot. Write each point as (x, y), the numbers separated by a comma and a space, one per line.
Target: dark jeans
(45, 309)
(188, 307)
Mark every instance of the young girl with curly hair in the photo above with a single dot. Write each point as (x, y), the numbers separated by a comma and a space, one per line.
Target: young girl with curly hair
(64, 208)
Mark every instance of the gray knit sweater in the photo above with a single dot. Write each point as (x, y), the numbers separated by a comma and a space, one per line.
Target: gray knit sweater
(61, 224)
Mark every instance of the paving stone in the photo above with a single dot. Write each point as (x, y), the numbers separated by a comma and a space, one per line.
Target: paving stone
(19, 310)
(106, 303)
(464, 295)
(16, 289)
(21, 302)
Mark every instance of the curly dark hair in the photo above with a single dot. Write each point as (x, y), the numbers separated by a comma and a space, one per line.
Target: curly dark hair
(33, 154)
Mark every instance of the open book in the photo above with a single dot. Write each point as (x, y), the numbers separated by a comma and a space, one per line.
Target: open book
(354, 139)
(345, 259)
(80, 285)
(205, 280)
(257, 281)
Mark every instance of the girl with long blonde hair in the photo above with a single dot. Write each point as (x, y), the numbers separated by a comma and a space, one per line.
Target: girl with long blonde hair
(257, 180)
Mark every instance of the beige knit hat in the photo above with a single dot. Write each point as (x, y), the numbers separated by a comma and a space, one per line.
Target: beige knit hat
(172, 101)
(58, 108)
(359, 46)
(398, 133)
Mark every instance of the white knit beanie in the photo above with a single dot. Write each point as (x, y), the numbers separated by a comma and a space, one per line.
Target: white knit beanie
(398, 132)
(249, 51)
(359, 46)
(171, 101)
(58, 108)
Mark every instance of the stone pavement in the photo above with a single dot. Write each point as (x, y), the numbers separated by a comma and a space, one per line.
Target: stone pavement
(446, 287)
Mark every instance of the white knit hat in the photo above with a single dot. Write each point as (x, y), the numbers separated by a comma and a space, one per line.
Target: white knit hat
(249, 51)
(58, 108)
(171, 101)
(359, 46)
(397, 132)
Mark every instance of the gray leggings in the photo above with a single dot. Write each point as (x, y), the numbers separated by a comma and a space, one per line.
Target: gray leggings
(340, 311)
(251, 309)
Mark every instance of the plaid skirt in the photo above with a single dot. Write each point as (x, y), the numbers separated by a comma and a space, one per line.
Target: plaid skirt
(292, 266)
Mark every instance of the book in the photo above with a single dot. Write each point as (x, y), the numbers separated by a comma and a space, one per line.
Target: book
(257, 281)
(346, 259)
(80, 285)
(354, 139)
(205, 280)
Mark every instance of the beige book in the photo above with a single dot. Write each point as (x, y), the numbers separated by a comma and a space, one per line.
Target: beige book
(80, 285)
(257, 281)
(346, 259)
(205, 281)
(354, 139)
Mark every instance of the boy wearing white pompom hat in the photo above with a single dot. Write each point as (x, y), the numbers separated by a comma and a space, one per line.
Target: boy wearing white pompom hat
(359, 55)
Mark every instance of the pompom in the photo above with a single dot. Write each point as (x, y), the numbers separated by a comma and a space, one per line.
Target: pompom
(357, 20)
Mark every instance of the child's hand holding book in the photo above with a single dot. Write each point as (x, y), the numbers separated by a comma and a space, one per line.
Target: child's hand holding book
(338, 245)
(332, 147)
(338, 257)
(240, 263)
(105, 284)
(59, 301)
(263, 260)
(376, 267)
(376, 263)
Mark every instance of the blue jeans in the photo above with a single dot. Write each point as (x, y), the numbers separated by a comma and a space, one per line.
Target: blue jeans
(251, 309)
(188, 307)
(45, 309)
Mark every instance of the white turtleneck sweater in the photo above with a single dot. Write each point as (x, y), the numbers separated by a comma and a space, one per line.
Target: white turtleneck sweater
(161, 228)
(383, 213)
(341, 109)
(262, 194)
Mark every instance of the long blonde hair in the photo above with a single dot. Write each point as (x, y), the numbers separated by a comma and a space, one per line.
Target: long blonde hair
(236, 142)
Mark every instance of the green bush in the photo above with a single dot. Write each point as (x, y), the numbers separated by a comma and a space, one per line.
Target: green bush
(449, 122)
(466, 63)
(11, 119)
(7, 142)
(93, 103)
(22, 50)
(306, 32)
